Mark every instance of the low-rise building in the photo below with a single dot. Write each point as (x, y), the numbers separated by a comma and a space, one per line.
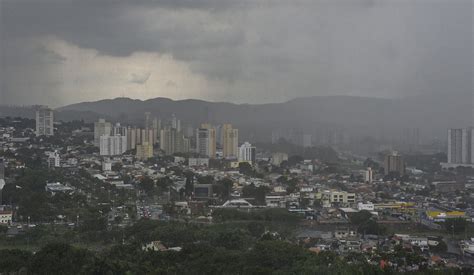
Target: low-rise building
(6, 217)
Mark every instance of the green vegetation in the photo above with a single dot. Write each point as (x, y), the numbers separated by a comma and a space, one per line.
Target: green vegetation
(365, 223)
(276, 215)
(456, 226)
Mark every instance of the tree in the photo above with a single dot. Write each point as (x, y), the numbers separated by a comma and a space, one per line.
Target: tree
(256, 229)
(291, 185)
(117, 167)
(164, 183)
(360, 217)
(206, 179)
(258, 193)
(246, 169)
(60, 258)
(371, 163)
(371, 227)
(189, 186)
(12, 261)
(225, 188)
(147, 184)
(440, 248)
(293, 160)
(456, 225)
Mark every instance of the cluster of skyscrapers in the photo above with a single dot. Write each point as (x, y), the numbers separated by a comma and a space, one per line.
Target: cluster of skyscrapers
(116, 139)
(205, 140)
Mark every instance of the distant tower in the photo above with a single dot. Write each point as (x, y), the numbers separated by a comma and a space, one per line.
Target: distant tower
(101, 128)
(175, 123)
(247, 153)
(369, 175)
(2, 169)
(230, 141)
(147, 120)
(44, 121)
(461, 146)
(206, 141)
(394, 163)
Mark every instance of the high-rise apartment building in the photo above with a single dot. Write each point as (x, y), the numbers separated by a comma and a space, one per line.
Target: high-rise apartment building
(172, 141)
(112, 145)
(101, 128)
(119, 130)
(206, 141)
(144, 151)
(247, 152)
(230, 141)
(167, 140)
(44, 121)
(175, 123)
(369, 175)
(131, 138)
(394, 163)
(156, 127)
(148, 121)
(461, 146)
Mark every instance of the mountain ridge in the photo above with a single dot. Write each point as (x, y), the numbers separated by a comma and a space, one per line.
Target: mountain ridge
(355, 116)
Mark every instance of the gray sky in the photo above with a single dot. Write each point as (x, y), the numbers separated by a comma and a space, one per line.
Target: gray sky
(60, 52)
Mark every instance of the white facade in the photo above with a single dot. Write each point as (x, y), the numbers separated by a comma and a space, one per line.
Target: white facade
(365, 206)
(54, 160)
(247, 153)
(278, 158)
(44, 122)
(106, 166)
(112, 145)
(6, 217)
(461, 146)
(198, 162)
(369, 175)
(101, 128)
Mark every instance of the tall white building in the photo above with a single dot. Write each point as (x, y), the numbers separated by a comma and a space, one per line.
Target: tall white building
(172, 141)
(369, 175)
(101, 128)
(44, 121)
(461, 146)
(112, 145)
(247, 152)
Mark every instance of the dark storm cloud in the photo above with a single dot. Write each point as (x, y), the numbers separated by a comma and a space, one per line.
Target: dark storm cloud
(248, 51)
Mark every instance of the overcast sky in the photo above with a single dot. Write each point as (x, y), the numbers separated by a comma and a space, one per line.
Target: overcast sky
(60, 52)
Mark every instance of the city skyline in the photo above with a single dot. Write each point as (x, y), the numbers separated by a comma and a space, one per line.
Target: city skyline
(236, 137)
